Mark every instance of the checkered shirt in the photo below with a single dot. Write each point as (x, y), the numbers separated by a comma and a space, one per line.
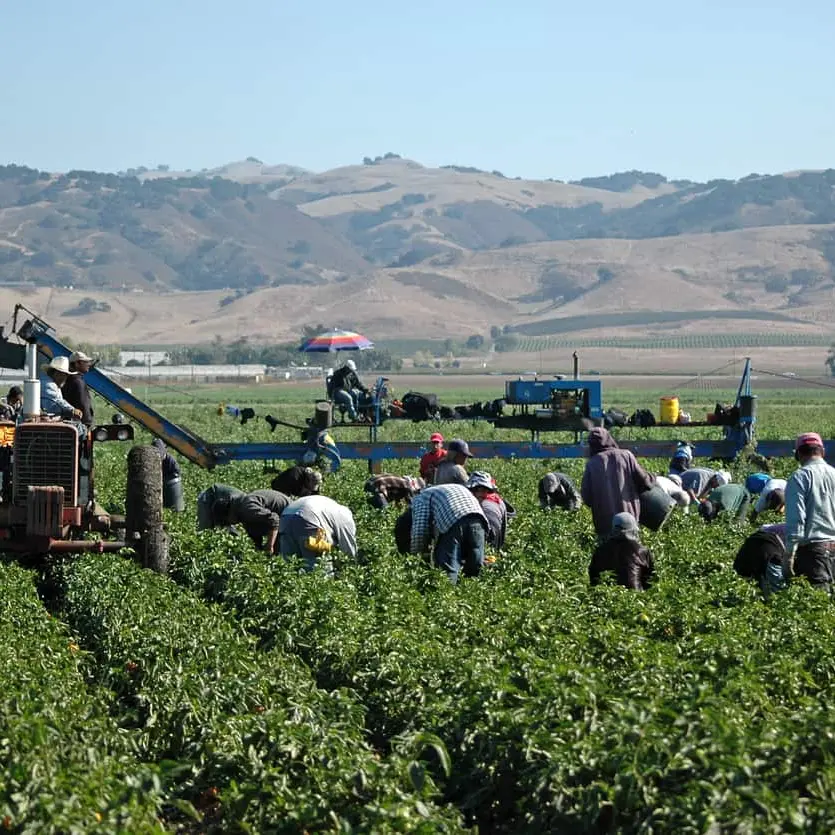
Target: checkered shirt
(394, 488)
(437, 509)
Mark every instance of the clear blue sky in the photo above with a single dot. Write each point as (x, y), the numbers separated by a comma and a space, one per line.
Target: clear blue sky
(535, 88)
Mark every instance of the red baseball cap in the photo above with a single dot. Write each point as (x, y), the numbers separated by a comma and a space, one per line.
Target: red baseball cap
(808, 439)
(436, 436)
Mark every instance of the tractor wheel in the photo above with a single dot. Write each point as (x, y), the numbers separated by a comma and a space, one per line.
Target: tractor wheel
(143, 509)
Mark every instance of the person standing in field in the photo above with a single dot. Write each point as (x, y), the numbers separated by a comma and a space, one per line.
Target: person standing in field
(810, 514)
(451, 469)
(431, 459)
(75, 390)
(612, 481)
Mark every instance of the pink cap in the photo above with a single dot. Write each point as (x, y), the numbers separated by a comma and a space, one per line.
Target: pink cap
(436, 436)
(808, 439)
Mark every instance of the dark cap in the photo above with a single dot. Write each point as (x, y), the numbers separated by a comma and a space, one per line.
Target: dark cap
(460, 447)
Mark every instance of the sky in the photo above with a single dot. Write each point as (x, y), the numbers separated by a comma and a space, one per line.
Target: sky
(533, 88)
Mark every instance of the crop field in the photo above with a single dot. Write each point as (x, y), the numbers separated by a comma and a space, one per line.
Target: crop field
(241, 695)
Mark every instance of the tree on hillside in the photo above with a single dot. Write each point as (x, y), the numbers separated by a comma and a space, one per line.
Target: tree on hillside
(475, 341)
(830, 361)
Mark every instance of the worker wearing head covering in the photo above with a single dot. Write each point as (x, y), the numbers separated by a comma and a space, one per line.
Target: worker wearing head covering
(558, 490)
(682, 458)
(451, 470)
(346, 388)
(810, 513)
(55, 374)
(623, 554)
(431, 459)
(612, 481)
(75, 389)
(496, 510)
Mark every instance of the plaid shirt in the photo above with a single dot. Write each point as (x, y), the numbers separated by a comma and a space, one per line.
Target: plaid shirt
(437, 509)
(394, 488)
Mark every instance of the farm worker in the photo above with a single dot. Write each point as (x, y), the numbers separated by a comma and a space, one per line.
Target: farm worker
(75, 390)
(558, 490)
(11, 404)
(346, 386)
(213, 506)
(732, 499)
(55, 374)
(451, 469)
(496, 510)
(449, 516)
(385, 488)
(696, 481)
(258, 513)
(672, 486)
(431, 459)
(762, 557)
(612, 481)
(298, 481)
(755, 483)
(682, 458)
(312, 526)
(772, 497)
(170, 467)
(172, 493)
(810, 513)
(623, 553)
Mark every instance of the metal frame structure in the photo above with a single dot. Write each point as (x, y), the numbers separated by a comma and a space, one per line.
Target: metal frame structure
(316, 441)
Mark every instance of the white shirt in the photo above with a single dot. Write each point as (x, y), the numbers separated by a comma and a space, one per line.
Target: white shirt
(678, 494)
(770, 486)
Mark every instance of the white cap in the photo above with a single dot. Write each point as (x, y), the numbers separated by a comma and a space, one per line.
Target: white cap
(351, 364)
(722, 477)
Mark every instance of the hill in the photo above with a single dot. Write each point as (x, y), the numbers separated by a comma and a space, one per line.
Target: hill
(160, 256)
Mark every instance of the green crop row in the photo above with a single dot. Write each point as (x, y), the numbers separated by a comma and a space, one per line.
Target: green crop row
(244, 737)
(684, 341)
(565, 708)
(67, 767)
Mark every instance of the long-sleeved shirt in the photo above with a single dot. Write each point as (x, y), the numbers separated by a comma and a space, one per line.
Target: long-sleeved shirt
(437, 509)
(335, 519)
(612, 483)
(448, 472)
(76, 393)
(429, 462)
(550, 483)
(631, 562)
(771, 485)
(810, 504)
(394, 488)
(52, 401)
(728, 498)
(259, 510)
(695, 480)
(498, 513)
(678, 494)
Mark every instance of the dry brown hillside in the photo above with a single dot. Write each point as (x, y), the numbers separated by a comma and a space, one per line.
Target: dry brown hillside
(401, 250)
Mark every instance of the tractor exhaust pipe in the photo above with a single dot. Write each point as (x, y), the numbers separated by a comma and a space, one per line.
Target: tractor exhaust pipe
(576, 366)
(31, 385)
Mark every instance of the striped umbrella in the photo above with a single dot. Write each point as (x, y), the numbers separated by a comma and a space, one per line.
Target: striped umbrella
(336, 340)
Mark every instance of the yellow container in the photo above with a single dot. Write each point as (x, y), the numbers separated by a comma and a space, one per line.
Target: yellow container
(7, 434)
(669, 409)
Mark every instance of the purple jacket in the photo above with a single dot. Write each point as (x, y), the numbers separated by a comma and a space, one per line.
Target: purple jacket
(612, 481)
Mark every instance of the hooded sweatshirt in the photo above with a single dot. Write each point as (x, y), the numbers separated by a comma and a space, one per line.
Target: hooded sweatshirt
(612, 481)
